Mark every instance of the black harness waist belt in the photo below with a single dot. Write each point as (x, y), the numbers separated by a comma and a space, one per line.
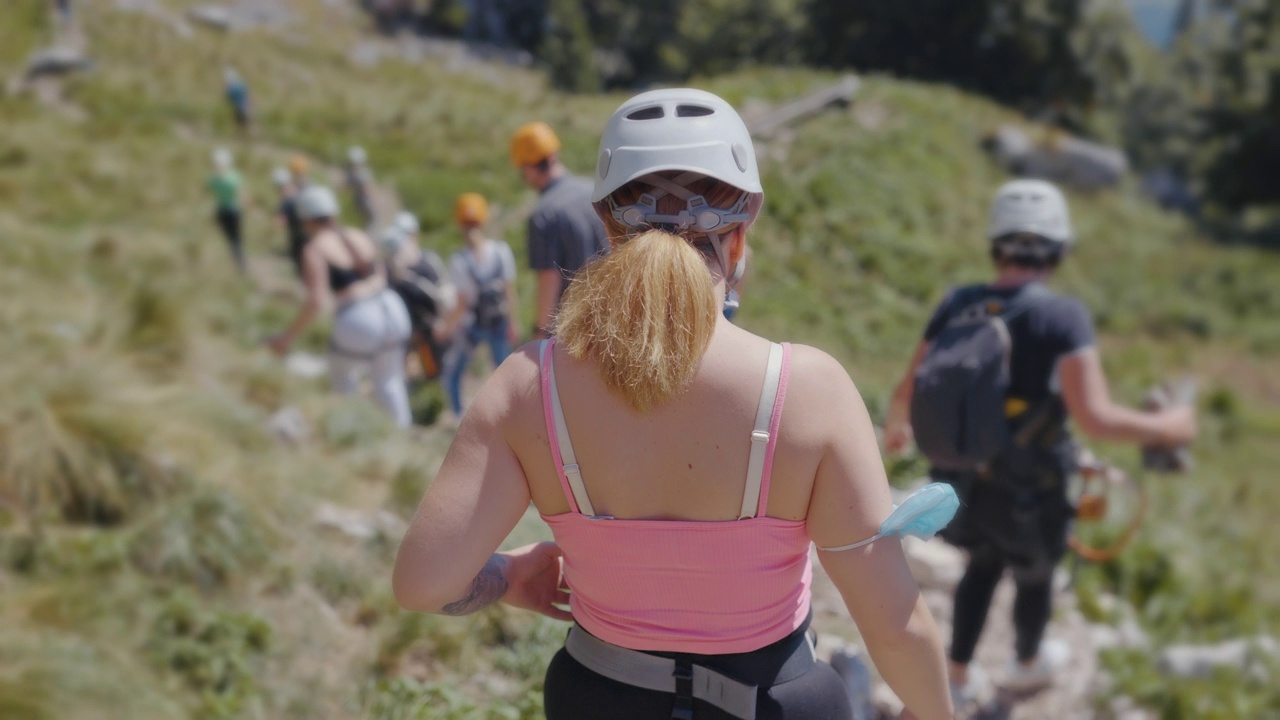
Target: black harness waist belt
(685, 679)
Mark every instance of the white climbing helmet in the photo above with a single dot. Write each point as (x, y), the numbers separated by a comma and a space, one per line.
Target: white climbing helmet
(406, 222)
(393, 238)
(317, 202)
(1030, 206)
(356, 155)
(675, 129)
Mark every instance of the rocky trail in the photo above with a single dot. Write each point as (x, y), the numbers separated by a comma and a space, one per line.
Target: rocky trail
(938, 567)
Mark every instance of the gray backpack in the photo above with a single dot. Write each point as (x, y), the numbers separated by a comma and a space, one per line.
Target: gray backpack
(958, 405)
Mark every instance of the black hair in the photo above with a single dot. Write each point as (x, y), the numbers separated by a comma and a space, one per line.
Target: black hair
(544, 165)
(1027, 250)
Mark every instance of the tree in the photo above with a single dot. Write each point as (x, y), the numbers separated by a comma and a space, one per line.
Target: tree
(566, 48)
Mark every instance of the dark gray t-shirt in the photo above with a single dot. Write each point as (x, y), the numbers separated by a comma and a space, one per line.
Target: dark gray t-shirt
(1046, 332)
(564, 231)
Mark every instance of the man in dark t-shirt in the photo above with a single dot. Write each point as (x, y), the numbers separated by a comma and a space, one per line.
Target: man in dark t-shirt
(1016, 514)
(564, 231)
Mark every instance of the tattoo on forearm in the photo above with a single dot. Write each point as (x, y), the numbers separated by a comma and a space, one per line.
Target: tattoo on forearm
(487, 588)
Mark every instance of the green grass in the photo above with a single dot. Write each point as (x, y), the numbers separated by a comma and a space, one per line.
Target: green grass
(140, 487)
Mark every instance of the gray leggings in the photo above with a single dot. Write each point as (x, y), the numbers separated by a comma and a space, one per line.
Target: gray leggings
(373, 333)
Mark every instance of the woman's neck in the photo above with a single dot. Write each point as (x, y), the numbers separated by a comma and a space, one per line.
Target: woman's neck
(476, 239)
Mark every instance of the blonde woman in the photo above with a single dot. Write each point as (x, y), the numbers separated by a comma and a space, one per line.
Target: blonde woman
(703, 463)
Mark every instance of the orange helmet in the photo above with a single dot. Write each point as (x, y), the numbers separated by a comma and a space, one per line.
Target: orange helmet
(471, 209)
(533, 143)
(298, 165)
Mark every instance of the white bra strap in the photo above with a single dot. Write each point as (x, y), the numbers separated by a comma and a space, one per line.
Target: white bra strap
(567, 459)
(760, 434)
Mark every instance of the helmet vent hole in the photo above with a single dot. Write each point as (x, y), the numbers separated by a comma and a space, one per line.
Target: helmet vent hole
(693, 111)
(649, 113)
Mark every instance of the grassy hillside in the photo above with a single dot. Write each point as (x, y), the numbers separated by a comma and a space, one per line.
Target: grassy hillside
(158, 554)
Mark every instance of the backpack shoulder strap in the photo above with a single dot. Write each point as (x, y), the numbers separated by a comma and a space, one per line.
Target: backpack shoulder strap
(959, 299)
(1028, 297)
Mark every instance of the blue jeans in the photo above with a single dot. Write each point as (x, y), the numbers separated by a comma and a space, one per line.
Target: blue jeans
(496, 338)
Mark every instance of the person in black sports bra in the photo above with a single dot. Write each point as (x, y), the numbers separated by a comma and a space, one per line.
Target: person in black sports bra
(371, 325)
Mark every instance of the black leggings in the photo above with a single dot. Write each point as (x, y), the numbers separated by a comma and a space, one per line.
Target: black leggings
(229, 221)
(573, 692)
(1032, 606)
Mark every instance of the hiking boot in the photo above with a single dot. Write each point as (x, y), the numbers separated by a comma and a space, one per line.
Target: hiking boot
(1052, 658)
(974, 692)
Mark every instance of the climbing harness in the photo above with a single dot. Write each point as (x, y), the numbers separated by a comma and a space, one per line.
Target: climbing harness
(684, 678)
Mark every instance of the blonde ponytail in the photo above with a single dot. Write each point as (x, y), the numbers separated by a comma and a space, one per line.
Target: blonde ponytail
(644, 314)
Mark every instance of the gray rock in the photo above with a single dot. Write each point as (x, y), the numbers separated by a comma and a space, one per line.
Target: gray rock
(56, 60)
(214, 16)
(934, 563)
(306, 365)
(358, 524)
(1200, 661)
(1061, 158)
(290, 426)
(856, 674)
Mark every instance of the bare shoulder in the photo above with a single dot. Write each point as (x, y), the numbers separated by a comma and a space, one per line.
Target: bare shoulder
(821, 397)
(815, 373)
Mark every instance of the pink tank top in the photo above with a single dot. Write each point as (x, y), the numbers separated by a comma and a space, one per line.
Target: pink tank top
(679, 585)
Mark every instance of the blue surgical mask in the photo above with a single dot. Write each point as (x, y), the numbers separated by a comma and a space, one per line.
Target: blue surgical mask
(923, 514)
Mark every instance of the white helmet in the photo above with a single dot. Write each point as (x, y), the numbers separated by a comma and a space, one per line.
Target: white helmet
(317, 202)
(280, 177)
(393, 238)
(406, 222)
(356, 155)
(676, 129)
(1030, 206)
(222, 158)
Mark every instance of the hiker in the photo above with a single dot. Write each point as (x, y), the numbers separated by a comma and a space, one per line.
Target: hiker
(370, 325)
(1001, 437)
(63, 11)
(287, 216)
(704, 461)
(237, 93)
(225, 184)
(360, 184)
(564, 232)
(484, 272)
(422, 281)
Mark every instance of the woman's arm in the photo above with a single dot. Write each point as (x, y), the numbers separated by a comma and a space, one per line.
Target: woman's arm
(446, 563)
(849, 501)
(318, 297)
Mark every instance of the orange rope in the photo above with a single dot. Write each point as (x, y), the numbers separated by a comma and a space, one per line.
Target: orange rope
(1097, 555)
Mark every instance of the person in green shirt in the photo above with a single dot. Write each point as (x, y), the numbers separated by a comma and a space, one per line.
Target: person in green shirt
(225, 185)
